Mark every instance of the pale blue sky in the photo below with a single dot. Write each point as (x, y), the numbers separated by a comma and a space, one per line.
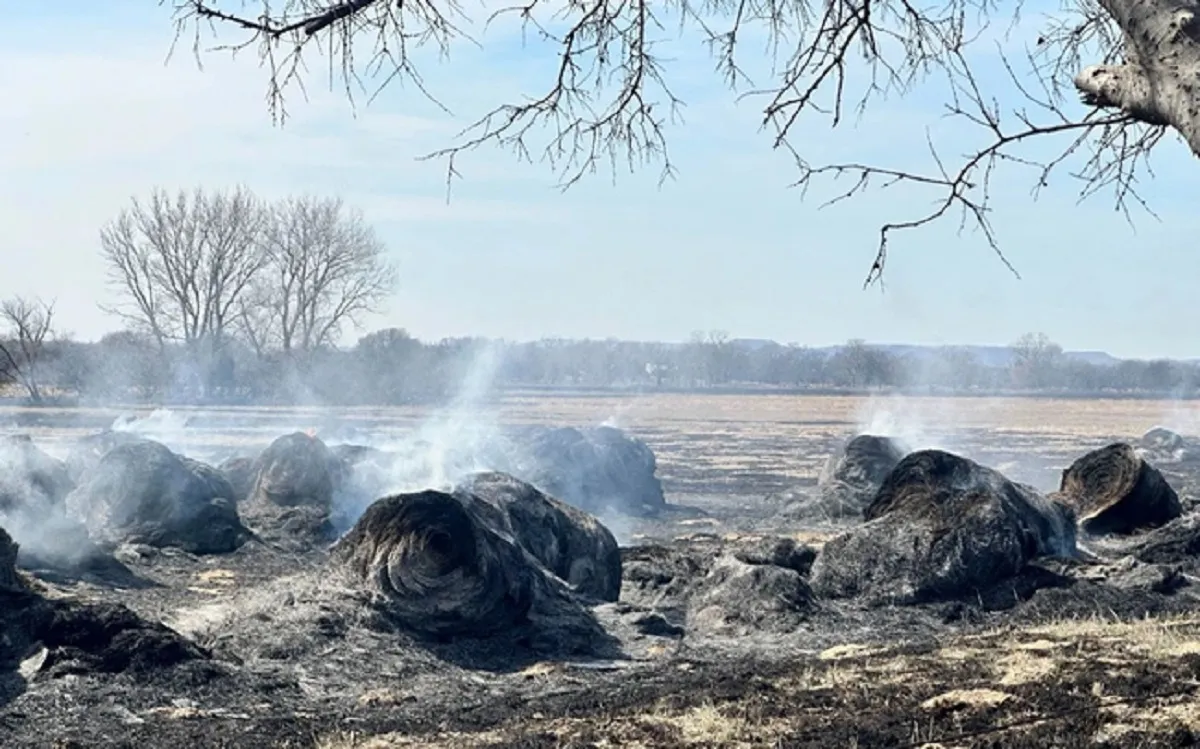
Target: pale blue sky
(92, 116)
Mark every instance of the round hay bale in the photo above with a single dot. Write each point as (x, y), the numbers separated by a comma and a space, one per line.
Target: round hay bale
(742, 599)
(1162, 440)
(142, 492)
(847, 482)
(439, 570)
(10, 581)
(595, 469)
(941, 527)
(1112, 490)
(295, 470)
(864, 462)
(30, 479)
(572, 544)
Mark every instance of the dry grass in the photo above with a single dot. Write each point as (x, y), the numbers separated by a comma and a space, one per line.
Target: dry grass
(998, 674)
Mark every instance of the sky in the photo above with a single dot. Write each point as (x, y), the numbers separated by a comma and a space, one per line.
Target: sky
(93, 114)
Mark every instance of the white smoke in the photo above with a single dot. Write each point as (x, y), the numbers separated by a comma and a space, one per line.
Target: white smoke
(161, 425)
(920, 423)
(462, 438)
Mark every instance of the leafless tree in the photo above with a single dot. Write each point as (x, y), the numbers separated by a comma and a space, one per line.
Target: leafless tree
(182, 264)
(609, 98)
(30, 329)
(325, 269)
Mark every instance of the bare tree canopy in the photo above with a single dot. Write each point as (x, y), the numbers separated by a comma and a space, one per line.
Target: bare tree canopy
(30, 329)
(182, 263)
(325, 269)
(1135, 64)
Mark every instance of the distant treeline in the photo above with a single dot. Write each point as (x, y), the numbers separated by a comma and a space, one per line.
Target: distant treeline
(391, 367)
(226, 297)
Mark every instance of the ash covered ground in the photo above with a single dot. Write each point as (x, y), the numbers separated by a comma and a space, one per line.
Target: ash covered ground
(985, 575)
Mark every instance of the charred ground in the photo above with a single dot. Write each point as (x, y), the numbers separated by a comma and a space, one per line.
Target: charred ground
(720, 640)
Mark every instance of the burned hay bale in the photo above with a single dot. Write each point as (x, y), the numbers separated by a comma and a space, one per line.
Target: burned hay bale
(439, 569)
(571, 543)
(291, 500)
(941, 527)
(597, 469)
(10, 581)
(295, 470)
(142, 492)
(739, 598)
(1113, 490)
(30, 479)
(1177, 542)
(1162, 442)
(722, 587)
(33, 491)
(853, 474)
(63, 636)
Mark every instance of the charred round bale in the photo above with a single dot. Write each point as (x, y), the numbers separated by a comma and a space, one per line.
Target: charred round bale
(10, 580)
(440, 569)
(291, 499)
(1113, 490)
(29, 477)
(863, 462)
(1161, 440)
(941, 527)
(295, 470)
(849, 479)
(145, 493)
(572, 544)
(33, 491)
(595, 469)
(57, 637)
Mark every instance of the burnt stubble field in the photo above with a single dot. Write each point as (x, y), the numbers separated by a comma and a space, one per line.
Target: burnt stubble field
(721, 635)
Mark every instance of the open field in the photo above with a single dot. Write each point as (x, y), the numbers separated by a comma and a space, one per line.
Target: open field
(1070, 663)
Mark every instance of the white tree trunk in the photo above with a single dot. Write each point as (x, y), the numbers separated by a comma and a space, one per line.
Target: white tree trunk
(1160, 80)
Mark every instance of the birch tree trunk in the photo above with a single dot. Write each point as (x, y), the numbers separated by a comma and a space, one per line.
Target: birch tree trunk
(1160, 80)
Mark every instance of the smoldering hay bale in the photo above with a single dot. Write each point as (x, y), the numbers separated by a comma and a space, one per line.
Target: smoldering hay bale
(10, 581)
(143, 492)
(572, 544)
(942, 527)
(596, 469)
(295, 470)
(33, 491)
(722, 586)
(291, 500)
(29, 477)
(439, 570)
(1113, 490)
(864, 461)
(63, 636)
(1162, 441)
(849, 479)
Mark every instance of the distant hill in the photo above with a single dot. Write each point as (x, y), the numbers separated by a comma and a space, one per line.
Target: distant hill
(991, 356)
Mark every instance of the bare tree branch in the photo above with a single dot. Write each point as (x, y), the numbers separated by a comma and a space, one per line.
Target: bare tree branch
(31, 324)
(608, 99)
